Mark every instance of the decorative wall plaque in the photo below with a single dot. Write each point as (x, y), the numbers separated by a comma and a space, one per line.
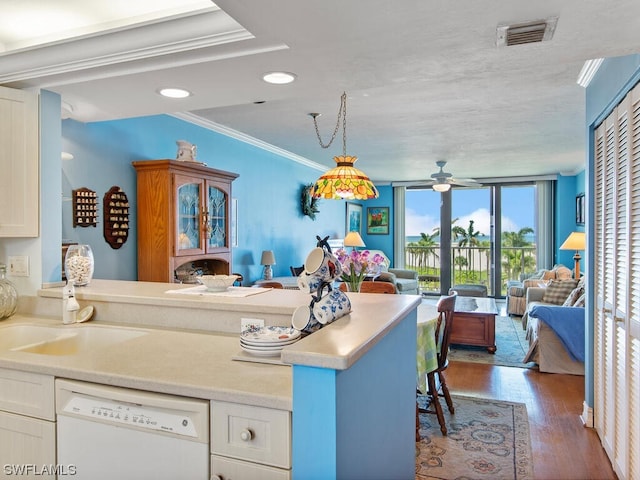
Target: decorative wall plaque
(85, 207)
(116, 217)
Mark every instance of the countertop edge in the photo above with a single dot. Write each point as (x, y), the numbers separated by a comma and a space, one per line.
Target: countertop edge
(301, 354)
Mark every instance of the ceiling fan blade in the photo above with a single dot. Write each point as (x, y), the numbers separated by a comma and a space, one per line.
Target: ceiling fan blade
(464, 182)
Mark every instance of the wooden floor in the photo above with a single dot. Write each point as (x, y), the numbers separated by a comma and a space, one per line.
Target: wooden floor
(562, 447)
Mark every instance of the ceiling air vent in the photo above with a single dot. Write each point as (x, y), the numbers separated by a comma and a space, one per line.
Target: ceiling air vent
(522, 33)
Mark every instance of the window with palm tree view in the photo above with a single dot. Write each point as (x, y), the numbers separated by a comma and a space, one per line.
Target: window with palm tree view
(471, 219)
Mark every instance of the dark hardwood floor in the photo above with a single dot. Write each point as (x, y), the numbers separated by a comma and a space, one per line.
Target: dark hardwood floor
(562, 447)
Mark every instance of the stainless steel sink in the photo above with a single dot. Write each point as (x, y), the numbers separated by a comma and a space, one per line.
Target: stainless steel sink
(47, 340)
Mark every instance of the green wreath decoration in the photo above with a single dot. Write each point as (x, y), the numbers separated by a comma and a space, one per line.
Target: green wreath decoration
(308, 203)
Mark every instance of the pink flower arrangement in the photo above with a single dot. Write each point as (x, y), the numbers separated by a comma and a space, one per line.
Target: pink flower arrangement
(358, 264)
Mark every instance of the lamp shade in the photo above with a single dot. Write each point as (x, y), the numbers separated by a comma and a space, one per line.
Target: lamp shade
(268, 258)
(353, 239)
(575, 241)
(344, 181)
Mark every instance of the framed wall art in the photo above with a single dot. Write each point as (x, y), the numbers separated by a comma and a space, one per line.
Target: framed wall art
(353, 218)
(377, 220)
(580, 209)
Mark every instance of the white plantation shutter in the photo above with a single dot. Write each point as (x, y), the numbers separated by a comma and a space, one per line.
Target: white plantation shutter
(617, 285)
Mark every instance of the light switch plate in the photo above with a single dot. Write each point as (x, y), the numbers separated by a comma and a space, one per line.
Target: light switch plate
(251, 323)
(19, 265)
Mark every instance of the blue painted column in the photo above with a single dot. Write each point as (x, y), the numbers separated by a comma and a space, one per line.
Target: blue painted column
(360, 422)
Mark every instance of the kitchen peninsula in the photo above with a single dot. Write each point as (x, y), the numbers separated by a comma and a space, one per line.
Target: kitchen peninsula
(350, 387)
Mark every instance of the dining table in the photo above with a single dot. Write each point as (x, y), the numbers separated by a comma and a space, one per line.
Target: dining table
(426, 348)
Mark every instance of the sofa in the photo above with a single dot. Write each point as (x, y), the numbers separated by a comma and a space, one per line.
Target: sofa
(517, 289)
(555, 324)
(404, 280)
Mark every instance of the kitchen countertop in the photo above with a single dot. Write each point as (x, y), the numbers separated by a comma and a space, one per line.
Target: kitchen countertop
(154, 294)
(199, 364)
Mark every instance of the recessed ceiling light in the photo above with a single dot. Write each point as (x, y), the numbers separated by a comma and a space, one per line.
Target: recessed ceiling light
(174, 92)
(279, 78)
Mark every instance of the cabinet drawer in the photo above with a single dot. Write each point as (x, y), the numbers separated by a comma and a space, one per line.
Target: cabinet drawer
(26, 441)
(252, 433)
(27, 393)
(229, 469)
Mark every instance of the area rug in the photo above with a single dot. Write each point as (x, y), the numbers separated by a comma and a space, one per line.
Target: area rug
(487, 439)
(511, 343)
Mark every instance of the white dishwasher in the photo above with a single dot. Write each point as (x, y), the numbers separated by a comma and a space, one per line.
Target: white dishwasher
(110, 432)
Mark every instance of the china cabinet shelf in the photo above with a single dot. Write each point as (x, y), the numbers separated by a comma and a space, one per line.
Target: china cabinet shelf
(183, 212)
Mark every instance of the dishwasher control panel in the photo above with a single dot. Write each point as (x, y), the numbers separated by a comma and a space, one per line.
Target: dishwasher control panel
(131, 415)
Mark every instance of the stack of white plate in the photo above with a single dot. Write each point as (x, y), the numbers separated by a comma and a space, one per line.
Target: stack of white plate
(268, 341)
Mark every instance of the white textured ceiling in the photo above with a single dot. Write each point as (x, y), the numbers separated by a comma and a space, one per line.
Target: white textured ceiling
(425, 79)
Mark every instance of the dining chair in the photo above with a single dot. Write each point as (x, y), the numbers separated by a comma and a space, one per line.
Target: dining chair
(373, 287)
(239, 279)
(296, 271)
(271, 285)
(436, 381)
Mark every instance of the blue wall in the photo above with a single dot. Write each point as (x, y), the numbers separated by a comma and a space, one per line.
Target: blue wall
(267, 190)
(567, 188)
(380, 242)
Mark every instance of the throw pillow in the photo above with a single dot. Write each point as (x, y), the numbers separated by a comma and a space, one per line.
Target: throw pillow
(563, 273)
(558, 290)
(548, 275)
(573, 296)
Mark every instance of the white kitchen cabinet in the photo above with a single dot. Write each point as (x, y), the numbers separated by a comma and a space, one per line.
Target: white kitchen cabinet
(229, 469)
(249, 442)
(25, 441)
(19, 163)
(27, 427)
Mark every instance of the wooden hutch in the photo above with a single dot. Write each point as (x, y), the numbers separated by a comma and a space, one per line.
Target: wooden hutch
(183, 213)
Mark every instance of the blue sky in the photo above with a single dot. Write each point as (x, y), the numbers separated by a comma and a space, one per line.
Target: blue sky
(423, 209)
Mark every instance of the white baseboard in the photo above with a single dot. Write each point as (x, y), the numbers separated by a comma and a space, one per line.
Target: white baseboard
(587, 415)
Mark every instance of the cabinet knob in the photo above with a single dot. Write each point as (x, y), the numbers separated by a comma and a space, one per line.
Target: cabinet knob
(216, 477)
(246, 435)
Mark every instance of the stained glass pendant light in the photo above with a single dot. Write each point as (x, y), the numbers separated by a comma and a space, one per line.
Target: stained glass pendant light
(344, 181)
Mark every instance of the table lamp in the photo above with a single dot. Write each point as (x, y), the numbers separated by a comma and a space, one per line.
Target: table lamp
(575, 241)
(268, 259)
(353, 240)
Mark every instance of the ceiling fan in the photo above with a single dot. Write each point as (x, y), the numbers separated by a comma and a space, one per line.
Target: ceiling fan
(442, 181)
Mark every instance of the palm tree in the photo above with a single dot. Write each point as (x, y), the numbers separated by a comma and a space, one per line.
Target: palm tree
(468, 238)
(424, 248)
(515, 262)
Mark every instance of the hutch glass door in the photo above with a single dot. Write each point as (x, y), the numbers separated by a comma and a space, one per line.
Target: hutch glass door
(188, 221)
(216, 233)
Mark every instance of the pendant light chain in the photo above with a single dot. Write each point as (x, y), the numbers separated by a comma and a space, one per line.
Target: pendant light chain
(341, 113)
(344, 181)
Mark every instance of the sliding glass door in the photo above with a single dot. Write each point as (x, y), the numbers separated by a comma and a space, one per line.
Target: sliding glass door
(472, 235)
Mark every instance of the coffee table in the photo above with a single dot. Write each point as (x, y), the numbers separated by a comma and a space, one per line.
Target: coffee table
(474, 322)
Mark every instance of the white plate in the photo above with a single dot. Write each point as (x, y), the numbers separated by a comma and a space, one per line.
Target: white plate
(249, 346)
(260, 349)
(267, 344)
(271, 335)
(261, 353)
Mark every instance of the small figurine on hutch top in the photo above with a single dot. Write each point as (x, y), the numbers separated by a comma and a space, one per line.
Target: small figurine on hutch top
(186, 151)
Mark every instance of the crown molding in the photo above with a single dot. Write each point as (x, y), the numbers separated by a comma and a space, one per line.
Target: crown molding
(589, 70)
(187, 33)
(243, 137)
